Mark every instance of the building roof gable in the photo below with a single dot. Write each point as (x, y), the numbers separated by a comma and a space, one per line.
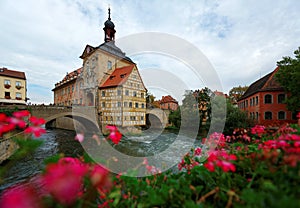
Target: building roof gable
(167, 99)
(266, 83)
(11, 73)
(87, 51)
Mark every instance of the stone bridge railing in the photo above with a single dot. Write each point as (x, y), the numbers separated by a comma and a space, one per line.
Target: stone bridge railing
(47, 111)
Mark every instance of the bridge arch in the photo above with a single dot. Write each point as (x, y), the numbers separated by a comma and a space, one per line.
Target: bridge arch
(157, 118)
(85, 117)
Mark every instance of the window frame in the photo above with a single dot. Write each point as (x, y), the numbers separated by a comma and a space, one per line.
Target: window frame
(265, 99)
(269, 117)
(284, 115)
(280, 100)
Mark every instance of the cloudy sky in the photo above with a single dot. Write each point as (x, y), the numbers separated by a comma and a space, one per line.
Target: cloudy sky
(242, 40)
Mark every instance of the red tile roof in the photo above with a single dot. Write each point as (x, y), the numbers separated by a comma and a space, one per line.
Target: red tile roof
(168, 99)
(118, 77)
(266, 83)
(72, 74)
(12, 73)
(218, 93)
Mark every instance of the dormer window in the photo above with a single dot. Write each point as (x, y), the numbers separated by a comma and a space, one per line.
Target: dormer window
(109, 65)
(122, 75)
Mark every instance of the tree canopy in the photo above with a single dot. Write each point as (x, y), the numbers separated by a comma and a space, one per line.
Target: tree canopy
(236, 93)
(289, 77)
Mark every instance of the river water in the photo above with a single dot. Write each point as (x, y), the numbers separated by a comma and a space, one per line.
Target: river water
(54, 141)
(62, 141)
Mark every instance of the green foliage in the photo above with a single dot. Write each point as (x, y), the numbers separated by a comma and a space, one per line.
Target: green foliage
(150, 98)
(236, 93)
(288, 76)
(256, 182)
(175, 118)
(196, 109)
(236, 118)
(26, 147)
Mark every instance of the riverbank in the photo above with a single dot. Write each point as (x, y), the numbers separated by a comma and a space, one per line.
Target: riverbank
(25, 148)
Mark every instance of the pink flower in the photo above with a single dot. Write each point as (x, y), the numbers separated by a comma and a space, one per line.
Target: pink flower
(226, 166)
(198, 151)
(99, 176)
(20, 196)
(79, 137)
(21, 114)
(96, 138)
(6, 127)
(145, 161)
(37, 121)
(36, 130)
(114, 135)
(17, 122)
(3, 117)
(210, 166)
(297, 144)
(259, 130)
(64, 180)
(112, 128)
(221, 159)
(152, 169)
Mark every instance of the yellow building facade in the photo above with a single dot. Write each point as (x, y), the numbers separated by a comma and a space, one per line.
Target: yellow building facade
(108, 80)
(122, 98)
(13, 88)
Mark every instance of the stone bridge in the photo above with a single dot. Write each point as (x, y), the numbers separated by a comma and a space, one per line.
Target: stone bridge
(67, 117)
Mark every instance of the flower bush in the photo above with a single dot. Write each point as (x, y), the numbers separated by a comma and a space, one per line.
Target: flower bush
(17, 120)
(250, 168)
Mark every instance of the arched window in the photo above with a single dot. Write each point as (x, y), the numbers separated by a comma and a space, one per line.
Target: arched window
(281, 98)
(268, 98)
(256, 100)
(281, 115)
(268, 115)
(256, 115)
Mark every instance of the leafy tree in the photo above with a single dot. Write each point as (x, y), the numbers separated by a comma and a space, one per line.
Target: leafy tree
(236, 93)
(289, 77)
(189, 111)
(236, 118)
(175, 118)
(150, 99)
(197, 110)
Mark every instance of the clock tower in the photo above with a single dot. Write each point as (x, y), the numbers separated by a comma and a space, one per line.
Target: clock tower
(109, 29)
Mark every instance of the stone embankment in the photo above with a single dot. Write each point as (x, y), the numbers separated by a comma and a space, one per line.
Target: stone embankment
(7, 148)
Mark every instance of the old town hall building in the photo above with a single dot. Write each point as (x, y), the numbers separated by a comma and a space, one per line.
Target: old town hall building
(108, 80)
